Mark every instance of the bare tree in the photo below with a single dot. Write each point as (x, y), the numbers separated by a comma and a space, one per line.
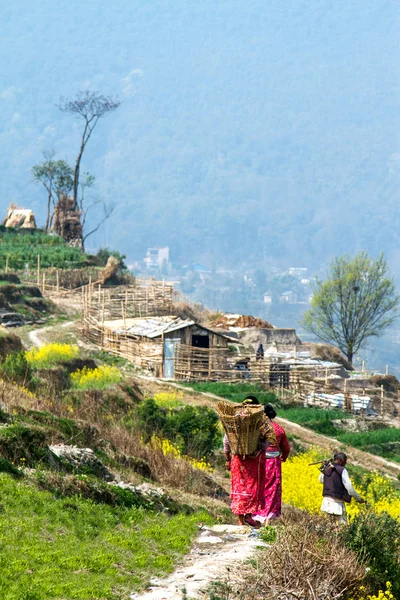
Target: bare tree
(107, 212)
(91, 106)
(57, 178)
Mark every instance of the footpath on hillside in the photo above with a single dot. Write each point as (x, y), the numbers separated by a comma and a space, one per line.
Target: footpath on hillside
(213, 553)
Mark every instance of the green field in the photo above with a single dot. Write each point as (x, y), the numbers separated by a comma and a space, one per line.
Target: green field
(19, 248)
(72, 548)
(236, 392)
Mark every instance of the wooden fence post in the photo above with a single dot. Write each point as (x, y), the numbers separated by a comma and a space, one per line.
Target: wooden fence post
(38, 270)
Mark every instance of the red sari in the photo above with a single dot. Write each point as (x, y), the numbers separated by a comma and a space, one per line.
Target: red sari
(273, 476)
(248, 482)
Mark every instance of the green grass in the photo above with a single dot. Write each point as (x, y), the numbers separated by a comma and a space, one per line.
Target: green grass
(236, 392)
(22, 247)
(76, 549)
(317, 419)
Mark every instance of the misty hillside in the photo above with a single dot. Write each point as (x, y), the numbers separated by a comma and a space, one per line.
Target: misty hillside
(248, 131)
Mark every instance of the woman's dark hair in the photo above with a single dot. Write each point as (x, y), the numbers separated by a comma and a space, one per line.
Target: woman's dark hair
(269, 411)
(252, 400)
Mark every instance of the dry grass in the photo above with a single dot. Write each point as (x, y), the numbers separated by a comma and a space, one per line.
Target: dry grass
(307, 562)
(113, 423)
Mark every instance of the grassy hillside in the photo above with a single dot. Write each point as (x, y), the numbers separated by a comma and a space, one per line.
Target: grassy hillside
(20, 249)
(65, 531)
(56, 548)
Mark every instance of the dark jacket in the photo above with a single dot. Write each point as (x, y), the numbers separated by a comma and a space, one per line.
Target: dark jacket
(333, 484)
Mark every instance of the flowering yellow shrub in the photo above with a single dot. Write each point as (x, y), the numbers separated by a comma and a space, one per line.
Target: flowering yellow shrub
(382, 595)
(302, 489)
(300, 485)
(95, 379)
(51, 354)
(380, 495)
(170, 449)
(168, 400)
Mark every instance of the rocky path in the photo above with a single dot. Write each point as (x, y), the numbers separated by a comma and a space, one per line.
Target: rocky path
(215, 550)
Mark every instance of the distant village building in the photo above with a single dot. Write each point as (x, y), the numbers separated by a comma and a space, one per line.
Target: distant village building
(267, 298)
(288, 297)
(157, 259)
(20, 217)
(299, 272)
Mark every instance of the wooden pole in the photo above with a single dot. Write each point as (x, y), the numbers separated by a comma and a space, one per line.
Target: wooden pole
(58, 280)
(102, 314)
(123, 314)
(38, 270)
(362, 366)
(44, 282)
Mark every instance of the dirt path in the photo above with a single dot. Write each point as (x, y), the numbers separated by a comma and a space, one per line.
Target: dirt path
(35, 336)
(214, 551)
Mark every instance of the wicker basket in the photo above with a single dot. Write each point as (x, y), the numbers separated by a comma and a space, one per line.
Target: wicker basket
(242, 426)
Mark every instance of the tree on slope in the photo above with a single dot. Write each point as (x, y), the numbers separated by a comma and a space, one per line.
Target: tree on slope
(90, 106)
(357, 301)
(57, 178)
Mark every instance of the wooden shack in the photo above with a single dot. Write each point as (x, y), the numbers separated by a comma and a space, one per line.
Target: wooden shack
(169, 346)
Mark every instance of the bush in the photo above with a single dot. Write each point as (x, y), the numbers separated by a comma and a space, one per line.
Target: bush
(95, 379)
(15, 368)
(194, 429)
(376, 541)
(51, 354)
(306, 562)
(103, 254)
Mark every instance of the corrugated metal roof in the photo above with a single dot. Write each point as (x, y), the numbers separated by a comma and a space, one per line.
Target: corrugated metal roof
(153, 327)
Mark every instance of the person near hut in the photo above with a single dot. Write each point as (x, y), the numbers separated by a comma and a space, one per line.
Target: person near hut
(275, 454)
(243, 365)
(260, 352)
(248, 473)
(338, 489)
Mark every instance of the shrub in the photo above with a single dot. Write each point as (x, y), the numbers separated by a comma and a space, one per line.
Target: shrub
(15, 368)
(51, 354)
(306, 562)
(194, 429)
(168, 400)
(95, 379)
(103, 254)
(375, 538)
(169, 449)
(301, 487)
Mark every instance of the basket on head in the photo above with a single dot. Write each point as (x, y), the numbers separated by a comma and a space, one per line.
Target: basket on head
(242, 426)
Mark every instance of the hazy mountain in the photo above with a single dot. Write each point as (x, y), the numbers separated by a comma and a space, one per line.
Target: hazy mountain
(248, 130)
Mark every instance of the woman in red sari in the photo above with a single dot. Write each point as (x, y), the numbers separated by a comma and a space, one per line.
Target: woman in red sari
(248, 475)
(275, 454)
